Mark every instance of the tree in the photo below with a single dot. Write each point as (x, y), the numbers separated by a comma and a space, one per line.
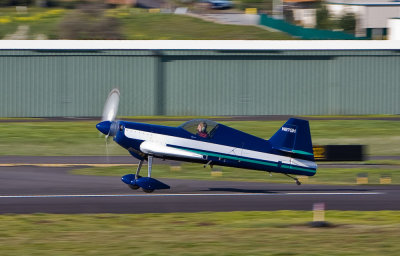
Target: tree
(288, 15)
(348, 22)
(323, 18)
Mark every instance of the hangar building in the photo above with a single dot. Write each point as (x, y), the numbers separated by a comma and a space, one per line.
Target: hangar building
(73, 78)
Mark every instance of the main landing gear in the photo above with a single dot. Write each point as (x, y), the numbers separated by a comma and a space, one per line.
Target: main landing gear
(147, 184)
(137, 176)
(296, 179)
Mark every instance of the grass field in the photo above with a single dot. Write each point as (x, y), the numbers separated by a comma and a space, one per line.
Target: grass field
(231, 233)
(332, 176)
(136, 24)
(145, 26)
(82, 138)
(41, 21)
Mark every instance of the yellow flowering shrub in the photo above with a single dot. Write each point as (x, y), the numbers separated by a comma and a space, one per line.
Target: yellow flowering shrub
(4, 20)
(29, 18)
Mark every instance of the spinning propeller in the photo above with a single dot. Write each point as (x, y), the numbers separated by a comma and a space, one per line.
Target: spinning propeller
(109, 126)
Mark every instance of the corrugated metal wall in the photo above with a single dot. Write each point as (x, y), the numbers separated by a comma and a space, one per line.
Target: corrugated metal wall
(76, 83)
(247, 85)
(366, 85)
(41, 85)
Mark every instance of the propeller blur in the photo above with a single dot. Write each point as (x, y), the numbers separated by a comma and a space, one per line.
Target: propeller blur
(289, 151)
(111, 106)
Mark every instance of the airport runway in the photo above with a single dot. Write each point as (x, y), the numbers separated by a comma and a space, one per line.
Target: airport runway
(34, 189)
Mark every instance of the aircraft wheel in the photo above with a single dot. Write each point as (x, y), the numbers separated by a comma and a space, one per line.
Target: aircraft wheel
(134, 187)
(147, 190)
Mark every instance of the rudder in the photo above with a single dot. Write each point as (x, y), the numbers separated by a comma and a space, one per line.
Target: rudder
(294, 137)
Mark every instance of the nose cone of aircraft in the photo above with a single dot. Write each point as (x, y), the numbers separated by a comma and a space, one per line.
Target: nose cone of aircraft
(104, 127)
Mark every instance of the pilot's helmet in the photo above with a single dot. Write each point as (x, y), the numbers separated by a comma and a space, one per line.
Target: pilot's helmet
(203, 126)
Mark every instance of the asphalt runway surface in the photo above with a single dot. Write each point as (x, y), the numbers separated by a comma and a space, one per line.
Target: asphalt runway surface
(36, 189)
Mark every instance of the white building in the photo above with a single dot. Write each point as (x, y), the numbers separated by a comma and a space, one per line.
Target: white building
(394, 29)
(372, 15)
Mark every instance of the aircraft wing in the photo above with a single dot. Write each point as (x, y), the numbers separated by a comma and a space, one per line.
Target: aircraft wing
(161, 150)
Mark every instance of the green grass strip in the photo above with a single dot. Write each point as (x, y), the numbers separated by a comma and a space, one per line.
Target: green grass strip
(207, 233)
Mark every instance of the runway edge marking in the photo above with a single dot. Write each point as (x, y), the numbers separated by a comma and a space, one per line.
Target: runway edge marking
(193, 194)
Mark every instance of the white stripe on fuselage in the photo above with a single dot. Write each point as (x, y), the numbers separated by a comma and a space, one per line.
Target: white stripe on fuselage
(212, 147)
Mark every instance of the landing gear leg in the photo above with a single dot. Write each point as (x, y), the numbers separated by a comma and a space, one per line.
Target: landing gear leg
(149, 167)
(138, 170)
(296, 179)
(137, 176)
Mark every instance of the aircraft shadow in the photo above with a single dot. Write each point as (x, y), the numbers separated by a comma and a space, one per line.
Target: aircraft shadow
(264, 191)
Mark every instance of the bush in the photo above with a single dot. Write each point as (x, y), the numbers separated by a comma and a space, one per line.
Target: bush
(90, 22)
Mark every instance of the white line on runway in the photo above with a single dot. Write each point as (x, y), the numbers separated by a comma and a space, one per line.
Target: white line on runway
(203, 194)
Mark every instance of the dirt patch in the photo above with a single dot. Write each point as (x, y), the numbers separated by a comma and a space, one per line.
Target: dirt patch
(205, 223)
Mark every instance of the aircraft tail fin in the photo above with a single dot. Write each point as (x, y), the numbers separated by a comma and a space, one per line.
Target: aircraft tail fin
(294, 137)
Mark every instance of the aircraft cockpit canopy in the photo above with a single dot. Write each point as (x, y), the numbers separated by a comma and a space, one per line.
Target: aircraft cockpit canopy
(201, 127)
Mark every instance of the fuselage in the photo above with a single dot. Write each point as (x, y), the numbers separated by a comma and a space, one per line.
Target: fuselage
(226, 147)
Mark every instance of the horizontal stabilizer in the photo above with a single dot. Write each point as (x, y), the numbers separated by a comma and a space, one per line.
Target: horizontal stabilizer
(293, 151)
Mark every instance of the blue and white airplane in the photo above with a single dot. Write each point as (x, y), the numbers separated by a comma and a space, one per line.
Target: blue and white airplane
(289, 151)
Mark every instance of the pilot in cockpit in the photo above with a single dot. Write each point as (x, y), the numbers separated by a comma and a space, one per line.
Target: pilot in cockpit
(202, 130)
